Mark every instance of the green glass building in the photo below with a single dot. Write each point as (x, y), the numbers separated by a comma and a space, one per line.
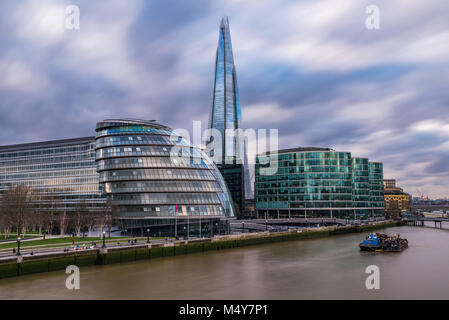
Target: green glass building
(317, 182)
(376, 175)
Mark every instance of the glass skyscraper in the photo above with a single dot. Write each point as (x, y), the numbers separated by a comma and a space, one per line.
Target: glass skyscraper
(318, 182)
(226, 114)
(64, 169)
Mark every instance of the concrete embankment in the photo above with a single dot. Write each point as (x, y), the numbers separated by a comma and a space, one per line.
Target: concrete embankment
(59, 261)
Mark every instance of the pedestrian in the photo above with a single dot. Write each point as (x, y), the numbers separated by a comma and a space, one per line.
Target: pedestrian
(73, 241)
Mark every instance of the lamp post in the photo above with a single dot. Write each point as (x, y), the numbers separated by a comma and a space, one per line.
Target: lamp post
(104, 239)
(243, 226)
(266, 224)
(185, 236)
(148, 235)
(216, 227)
(18, 246)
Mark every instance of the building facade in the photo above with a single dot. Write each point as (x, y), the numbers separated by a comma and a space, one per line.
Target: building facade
(229, 153)
(64, 170)
(396, 200)
(389, 183)
(317, 182)
(159, 180)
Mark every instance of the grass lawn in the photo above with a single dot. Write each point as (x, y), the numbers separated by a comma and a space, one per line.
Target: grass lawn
(14, 236)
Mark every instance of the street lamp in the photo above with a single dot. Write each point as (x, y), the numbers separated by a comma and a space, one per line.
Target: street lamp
(104, 239)
(18, 246)
(148, 235)
(216, 227)
(185, 236)
(243, 225)
(266, 225)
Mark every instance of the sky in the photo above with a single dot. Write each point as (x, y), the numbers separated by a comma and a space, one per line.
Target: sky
(310, 69)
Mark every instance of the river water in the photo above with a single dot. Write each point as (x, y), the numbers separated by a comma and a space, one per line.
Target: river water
(327, 268)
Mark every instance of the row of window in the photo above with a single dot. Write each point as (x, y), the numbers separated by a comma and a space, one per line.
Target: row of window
(166, 198)
(148, 151)
(46, 151)
(50, 173)
(162, 186)
(152, 162)
(48, 159)
(138, 140)
(173, 211)
(132, 129)
(304, 190)
(156, 174)
(65, 165)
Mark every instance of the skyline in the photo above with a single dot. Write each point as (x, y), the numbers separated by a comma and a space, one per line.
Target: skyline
(377, 93)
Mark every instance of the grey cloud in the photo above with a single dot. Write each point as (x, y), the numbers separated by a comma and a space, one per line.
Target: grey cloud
(156, 61)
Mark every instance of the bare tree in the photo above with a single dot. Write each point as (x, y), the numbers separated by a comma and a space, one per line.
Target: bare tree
(80, 217)
(17, 206)
(106, 219)
(63, 222)
(5, 223)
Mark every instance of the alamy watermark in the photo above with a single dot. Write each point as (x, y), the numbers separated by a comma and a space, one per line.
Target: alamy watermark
(73, 280)
(373, 280)
(239, 146)
(72, 17)
(372, 21)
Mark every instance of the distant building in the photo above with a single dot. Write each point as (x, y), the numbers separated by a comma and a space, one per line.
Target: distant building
(396, 200)
(62, 169)
(318, 182)
(225, 114)
(389, 183)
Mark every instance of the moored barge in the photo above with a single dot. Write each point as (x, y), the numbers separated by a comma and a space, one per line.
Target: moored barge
(383, 243)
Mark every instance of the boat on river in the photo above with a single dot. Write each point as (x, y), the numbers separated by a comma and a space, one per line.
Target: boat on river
(381, 242)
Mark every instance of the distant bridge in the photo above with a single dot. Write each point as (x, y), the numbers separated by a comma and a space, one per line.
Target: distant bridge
(419, 221)
(429, 207)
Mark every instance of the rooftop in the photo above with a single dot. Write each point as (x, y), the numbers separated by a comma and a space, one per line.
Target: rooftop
(110, 123)
(46, 144)
(299, 149)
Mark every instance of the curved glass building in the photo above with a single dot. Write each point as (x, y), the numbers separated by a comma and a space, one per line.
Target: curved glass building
(159, 181)
(317, 182)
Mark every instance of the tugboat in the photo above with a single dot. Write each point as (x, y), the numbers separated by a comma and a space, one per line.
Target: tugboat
(381, 242)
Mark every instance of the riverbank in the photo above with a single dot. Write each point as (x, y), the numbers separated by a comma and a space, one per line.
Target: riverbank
(59, 261)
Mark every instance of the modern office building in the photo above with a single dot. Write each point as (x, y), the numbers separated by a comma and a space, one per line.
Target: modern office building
(63, 169)
(317, 182)
(376, 176)
(159, 180)
(225, 114)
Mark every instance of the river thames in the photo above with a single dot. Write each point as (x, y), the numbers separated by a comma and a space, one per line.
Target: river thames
(327, 268)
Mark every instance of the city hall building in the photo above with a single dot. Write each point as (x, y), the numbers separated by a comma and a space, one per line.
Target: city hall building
(317, 182)
(158, 179)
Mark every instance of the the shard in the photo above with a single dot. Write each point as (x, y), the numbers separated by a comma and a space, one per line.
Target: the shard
(226, 114)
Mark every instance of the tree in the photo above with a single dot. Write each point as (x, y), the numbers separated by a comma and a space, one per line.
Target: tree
(17, 207)
(112, 210)
(80, 217)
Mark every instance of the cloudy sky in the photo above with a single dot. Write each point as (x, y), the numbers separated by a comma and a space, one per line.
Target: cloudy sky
(309, 68)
